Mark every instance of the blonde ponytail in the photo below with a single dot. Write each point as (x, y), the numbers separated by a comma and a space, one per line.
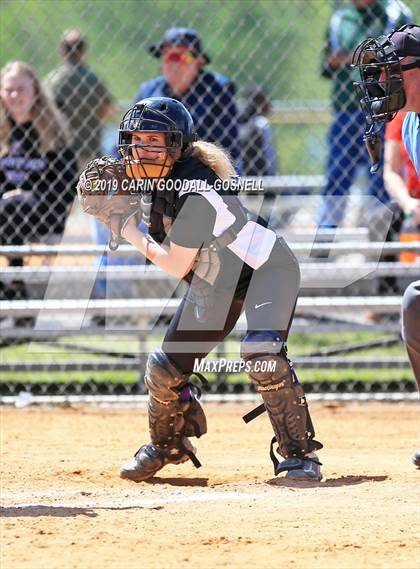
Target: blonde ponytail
(215, 158)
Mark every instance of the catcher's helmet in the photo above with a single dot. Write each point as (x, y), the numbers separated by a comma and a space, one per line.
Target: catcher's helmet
(156, 114)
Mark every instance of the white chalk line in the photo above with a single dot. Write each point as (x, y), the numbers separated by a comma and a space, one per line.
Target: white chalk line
(126, 499)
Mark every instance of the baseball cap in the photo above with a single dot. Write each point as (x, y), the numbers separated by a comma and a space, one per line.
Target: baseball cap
(180, 36)
(406, 40)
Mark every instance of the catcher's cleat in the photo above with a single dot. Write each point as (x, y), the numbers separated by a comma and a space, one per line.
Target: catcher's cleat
(416, 458)
(307, 468)
(149, 459)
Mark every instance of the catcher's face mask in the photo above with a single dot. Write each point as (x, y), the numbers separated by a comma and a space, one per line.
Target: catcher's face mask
(150, 142)
(149, 155)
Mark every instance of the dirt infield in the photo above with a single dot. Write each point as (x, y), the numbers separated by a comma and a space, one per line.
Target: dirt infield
(64, 506)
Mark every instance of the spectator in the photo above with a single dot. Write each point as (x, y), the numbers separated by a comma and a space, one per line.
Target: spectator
(400, 177)
(349, 25)
(403, 187)
(81, 95)
(38, 171)
(258, 153)
(85, 100)
(207, 95)
(401, 183)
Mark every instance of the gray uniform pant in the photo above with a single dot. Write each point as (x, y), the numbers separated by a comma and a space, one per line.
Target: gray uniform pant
(411, 326)
(269, 304)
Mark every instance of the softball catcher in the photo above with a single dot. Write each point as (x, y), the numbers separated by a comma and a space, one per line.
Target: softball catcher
(233, 262)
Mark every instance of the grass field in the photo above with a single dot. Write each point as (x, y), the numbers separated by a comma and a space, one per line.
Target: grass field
(299, 345)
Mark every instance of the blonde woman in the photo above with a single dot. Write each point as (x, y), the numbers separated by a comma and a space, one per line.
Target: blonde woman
(233, 262)
(38, 171)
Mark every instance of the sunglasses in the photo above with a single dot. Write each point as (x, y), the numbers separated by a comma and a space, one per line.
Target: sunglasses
(177, 57)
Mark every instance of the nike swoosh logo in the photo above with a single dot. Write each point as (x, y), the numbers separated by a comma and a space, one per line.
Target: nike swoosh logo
(263, 304)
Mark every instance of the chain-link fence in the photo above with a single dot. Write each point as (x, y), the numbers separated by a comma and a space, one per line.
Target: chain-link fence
(271, 83)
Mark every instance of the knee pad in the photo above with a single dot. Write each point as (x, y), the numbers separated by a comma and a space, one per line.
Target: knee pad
(267, 364)
(261, 342)
(163, 379)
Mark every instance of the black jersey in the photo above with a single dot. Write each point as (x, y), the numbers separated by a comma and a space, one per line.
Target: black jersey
(51, 177)
(48, 180)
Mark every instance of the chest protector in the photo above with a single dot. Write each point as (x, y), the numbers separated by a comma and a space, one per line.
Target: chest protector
(159, 215)
(160, 212)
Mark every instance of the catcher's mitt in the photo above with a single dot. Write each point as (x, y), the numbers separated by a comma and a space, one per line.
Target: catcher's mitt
(105, 192)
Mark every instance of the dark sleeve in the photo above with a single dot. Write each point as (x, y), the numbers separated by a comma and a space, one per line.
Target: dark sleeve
(194, 222)
(326, 70)
(61, 178)
(152, 88)
(225, 119)
(102, 93)
(142, 93)
(253, 159)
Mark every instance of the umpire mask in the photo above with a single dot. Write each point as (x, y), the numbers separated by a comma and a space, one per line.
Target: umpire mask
(381, 88)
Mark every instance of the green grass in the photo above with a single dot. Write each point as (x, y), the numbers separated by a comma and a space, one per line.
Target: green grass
(276, 44)
(130, 377)
(67, 377)
(299, 345)
(246, 40)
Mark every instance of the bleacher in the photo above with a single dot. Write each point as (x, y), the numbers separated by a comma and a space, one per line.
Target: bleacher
(66, 315)
(339, 270)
